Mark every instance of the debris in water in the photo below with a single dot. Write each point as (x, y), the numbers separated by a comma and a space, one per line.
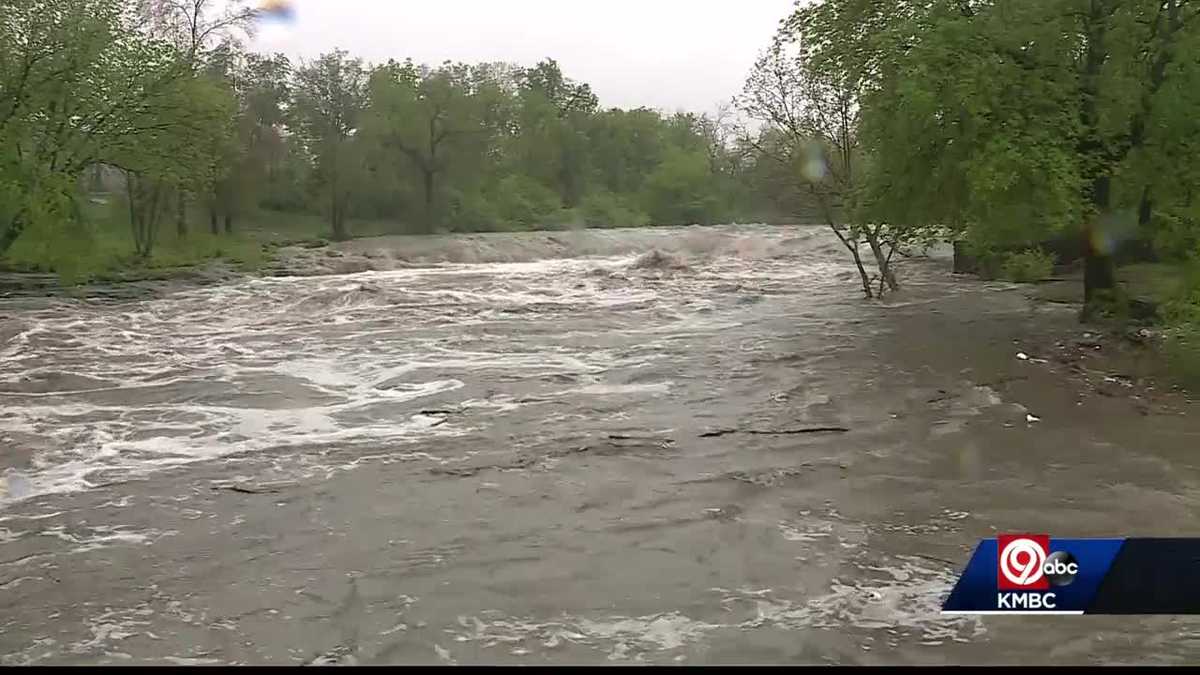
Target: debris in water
(1032, 418)
(657, 260)
(786, 432)
(339, 655)
(261, 489)
(443, 654)
(15, 486)
(1140, 336)
(943, 395)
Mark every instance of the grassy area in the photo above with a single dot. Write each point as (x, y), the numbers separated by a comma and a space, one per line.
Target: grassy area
(1159, 283)
(276, 226)
(101, 248)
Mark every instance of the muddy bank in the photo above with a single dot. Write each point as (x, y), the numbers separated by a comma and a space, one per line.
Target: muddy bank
(569, 461)
(133, 285)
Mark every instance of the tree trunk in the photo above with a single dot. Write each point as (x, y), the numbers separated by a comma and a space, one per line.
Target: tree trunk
(145, 210)
(852, 247)
(213, 225)
(181, 225)
(1145, 208)
(862, 271)
(134, 221)
(884, 263)
(15, 227)
(339, 219)
(228, 223)
(1099, 277)
(1099, 271)
(335, 222)
(429, 176)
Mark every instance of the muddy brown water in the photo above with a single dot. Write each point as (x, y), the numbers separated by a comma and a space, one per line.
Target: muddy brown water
(563, 461)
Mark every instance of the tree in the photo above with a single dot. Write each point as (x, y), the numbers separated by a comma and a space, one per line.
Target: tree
(625, 147)
(261, 88)
(1011, 120)
(191, 126)
(431, 117)
(83, 86)
(200, 31)
(812, 111)
(551, 132)
(330, 97)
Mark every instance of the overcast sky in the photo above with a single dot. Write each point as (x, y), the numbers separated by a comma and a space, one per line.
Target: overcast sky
(667, 54)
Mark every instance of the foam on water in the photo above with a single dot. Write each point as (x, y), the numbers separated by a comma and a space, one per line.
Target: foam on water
(97, 394)
(899, 602)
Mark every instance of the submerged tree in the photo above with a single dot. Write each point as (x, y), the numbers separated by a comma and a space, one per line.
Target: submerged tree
(811, 111)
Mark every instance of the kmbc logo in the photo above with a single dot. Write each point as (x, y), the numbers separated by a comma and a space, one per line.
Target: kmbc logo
(1025, 563)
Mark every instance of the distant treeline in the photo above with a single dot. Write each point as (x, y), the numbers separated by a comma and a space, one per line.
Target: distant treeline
(159, 102)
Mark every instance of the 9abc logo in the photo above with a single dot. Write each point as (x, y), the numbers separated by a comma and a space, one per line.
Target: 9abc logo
(1026, 564)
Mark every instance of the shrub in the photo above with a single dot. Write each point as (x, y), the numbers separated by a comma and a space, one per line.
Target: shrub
(473, 212)
(1027, 266)
(564, 219)
(1181, 315)
(683, 191)
(605, 209)
(1176, 235)
(523, 203)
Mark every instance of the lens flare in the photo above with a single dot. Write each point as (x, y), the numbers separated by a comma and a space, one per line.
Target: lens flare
(1103, 242)
(282, 11)
(814, 163)
(1111, 230)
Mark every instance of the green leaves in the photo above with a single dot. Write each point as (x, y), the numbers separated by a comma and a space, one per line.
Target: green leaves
(82, 85)
(682, 190)
(997, 116)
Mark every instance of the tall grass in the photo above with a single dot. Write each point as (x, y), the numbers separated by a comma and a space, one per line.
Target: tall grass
(99, 246)
(1028, 266)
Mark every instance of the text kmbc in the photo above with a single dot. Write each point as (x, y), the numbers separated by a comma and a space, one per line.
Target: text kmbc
(1025, 563)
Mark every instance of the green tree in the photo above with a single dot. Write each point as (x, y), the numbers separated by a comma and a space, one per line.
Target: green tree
(812, 112)
(255, 149)
(437, 121)
(625, 147)
(82, 86)
(330, 98)
(551, 139)
(1011, 120)
(205, 33)
(184, 147)
(681, 191)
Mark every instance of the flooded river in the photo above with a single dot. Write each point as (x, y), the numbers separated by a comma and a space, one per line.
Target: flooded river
(567, 460)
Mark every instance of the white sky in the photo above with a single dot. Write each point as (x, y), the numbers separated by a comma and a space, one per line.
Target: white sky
(666, 54)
